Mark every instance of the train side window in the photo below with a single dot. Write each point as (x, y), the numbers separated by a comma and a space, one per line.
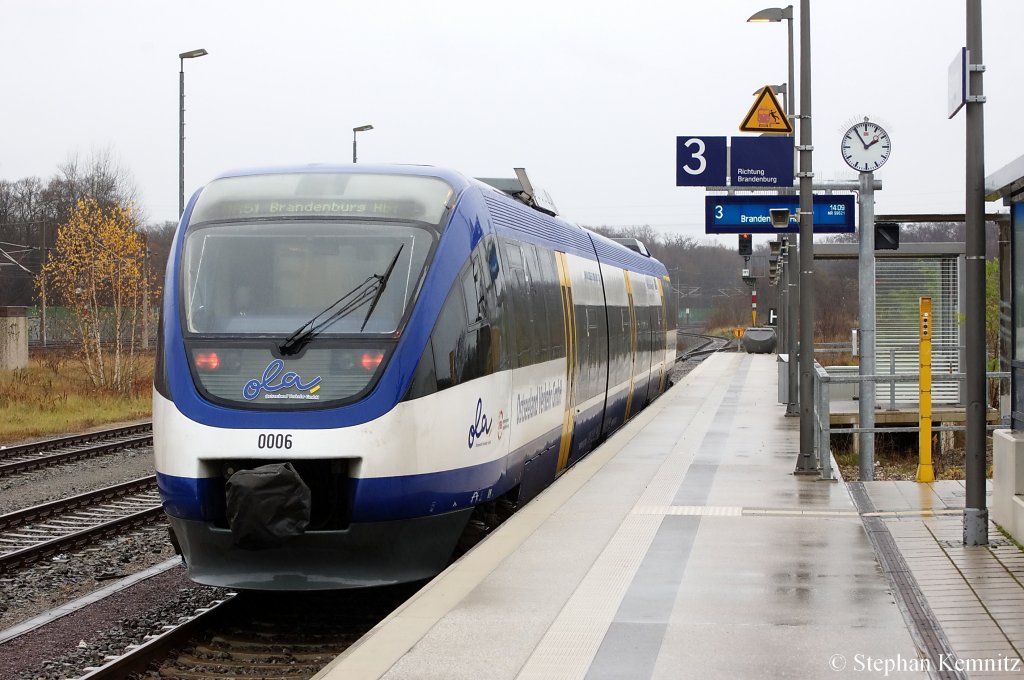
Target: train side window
(515, 255)
(552, 292)
(469, 293)
(541, 350)
(475, 358)
(519, 288)
(496, 310)
(447, 338)
(424, 381)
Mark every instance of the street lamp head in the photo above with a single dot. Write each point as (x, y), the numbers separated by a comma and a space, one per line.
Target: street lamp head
(362, 128)
(777, 89)
(773, 14)
(192, 54)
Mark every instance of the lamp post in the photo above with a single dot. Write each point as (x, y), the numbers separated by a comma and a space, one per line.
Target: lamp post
(975, 505)
(791, 264)
(805, 464)
(776, 14)
(361, 128)
(191, 54)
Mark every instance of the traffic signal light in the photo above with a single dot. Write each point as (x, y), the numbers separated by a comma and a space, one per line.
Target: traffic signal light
(746, 245)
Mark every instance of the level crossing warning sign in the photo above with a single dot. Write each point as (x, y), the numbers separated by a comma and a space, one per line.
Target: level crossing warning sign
(766, 115)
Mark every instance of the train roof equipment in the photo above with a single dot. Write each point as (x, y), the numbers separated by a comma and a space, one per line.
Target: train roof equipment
(521, 188)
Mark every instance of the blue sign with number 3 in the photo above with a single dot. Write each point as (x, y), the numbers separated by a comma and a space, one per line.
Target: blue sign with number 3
(700, 162)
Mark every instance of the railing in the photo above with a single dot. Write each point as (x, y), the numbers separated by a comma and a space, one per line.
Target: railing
(823, 445)
(822, 412)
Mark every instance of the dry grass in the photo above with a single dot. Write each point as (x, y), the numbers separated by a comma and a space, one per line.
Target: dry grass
(896, 457)
(53, 396)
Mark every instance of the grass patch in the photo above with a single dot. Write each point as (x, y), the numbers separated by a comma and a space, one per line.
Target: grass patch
(54, 396)
(896, 457)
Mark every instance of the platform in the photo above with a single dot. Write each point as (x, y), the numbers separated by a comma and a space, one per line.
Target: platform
(686, 548)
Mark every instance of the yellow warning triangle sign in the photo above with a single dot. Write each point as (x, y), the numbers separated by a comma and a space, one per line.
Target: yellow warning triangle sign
(766, 115)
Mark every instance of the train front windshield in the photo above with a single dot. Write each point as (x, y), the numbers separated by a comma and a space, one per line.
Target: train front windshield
(316, 270)
(272, 277)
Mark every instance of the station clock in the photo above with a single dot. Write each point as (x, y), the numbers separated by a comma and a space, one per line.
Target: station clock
(866, 146)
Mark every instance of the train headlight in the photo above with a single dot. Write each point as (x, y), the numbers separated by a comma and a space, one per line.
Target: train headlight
(371, 360)
(207, 361)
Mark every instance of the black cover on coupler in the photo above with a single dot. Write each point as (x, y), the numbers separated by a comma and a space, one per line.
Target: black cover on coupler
(267, 506)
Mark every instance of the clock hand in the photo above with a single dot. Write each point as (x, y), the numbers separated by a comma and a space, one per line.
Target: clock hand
(873, 142)
(862, 140)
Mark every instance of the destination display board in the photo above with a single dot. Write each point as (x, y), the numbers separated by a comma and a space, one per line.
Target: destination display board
(751, 214)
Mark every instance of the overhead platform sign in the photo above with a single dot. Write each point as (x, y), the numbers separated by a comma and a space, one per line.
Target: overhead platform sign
(752, 214)
(762, 162)
(756, 162)
(766, 115)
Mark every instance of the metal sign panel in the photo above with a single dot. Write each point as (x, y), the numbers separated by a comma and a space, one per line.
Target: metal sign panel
(751, 214)
(956, 95)
(766, 115)
(701, 161)
(762, 162)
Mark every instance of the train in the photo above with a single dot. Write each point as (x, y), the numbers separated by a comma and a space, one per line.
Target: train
(353, 358)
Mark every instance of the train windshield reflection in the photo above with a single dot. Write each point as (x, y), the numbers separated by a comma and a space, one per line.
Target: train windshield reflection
(270, 277)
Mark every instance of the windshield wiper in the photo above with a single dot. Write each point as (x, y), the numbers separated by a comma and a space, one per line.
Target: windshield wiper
(353, 300)
(383, 284)
(368, 291)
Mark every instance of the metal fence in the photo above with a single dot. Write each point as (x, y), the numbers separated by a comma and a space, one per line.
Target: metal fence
(822, 409)
(61, 331)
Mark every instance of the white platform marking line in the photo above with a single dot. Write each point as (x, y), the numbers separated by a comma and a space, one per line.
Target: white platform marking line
(570, 644)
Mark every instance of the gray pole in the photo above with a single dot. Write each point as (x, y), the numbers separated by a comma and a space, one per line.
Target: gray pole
(792, 81)
(866, 297)
(806, 462)
(42, 287)
(353, 146)
(975, 510)
(792, 263)
(181, 138)
(191, 54)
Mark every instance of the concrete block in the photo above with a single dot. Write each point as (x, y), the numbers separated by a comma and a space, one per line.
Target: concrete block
(1008, 481)
(13, 338)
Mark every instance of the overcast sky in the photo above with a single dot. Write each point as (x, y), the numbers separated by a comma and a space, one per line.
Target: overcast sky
(588, 96)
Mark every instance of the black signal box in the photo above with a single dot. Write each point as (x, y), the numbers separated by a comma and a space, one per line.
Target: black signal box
(887, 236)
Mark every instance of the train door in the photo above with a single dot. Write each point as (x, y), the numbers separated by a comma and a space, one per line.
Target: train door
(620, 361)
(662, 337)
(632, 344)
(572, 365)
(645, 341)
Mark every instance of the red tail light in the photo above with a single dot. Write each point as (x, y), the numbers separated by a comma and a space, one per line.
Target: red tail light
(371, 360)
(207, 361)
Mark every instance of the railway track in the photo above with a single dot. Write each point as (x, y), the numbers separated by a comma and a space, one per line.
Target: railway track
(28, 535)
(250, 636)
(51, 452)
(257, 636)
(709, 345)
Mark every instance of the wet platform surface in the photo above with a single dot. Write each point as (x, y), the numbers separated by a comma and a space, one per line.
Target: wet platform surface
(685, 547)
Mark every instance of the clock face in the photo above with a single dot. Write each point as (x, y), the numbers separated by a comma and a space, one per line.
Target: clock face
(866, 147)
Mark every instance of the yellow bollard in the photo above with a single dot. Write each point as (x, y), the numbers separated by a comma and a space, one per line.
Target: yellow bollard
(925, 470)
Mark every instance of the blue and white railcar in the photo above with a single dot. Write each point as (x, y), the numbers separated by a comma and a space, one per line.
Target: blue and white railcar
(413, 343)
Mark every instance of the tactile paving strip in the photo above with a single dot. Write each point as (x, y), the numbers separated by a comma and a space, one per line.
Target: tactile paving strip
(924, 627)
